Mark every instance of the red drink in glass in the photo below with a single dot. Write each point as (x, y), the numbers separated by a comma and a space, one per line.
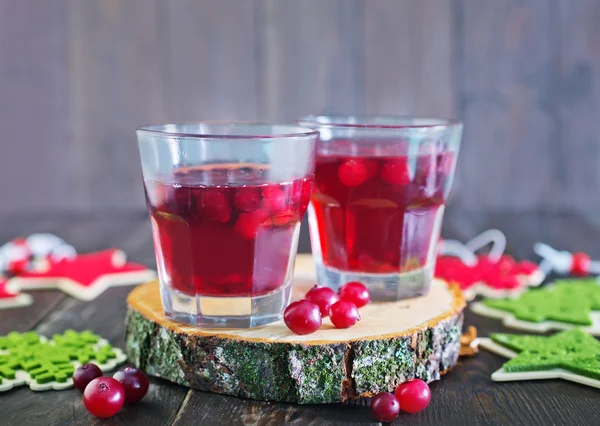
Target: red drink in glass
(366, 207)
(226, 201)
(219, 239)
(381, 186)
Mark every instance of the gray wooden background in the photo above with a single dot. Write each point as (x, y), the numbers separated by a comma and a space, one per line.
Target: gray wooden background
(77, 77)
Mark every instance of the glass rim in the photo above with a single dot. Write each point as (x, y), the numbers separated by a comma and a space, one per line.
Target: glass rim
(293, 130)
(366, 122)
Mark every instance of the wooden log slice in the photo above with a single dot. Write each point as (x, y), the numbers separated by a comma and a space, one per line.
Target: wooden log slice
(393, 342)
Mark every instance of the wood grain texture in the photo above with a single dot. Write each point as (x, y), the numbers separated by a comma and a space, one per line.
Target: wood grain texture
(508, 53)
(579, 107)
(34, 104)
(311, 57)
(409, 58)
(78, 77)
(117, 82)
(211, 57)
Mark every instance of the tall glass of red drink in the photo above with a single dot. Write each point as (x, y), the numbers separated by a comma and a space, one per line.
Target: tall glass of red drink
(225, 202)
(381, 184)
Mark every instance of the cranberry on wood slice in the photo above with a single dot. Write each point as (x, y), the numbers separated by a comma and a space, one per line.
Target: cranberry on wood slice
(324, 297)
(302, 317)
(355, 292)
(344, 314)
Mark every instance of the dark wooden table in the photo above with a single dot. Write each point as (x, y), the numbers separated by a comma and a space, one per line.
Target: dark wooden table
(466, 396)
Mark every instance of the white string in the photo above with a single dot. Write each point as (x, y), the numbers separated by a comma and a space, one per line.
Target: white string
(494, 236)
(458, 249)
(559, 261)
(595, 267)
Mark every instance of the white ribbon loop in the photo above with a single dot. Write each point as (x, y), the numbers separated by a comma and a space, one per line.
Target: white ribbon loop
(494, 236)
(458, 249)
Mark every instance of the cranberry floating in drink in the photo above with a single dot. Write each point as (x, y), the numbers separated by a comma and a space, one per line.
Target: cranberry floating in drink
(226, 201)
(381, 184)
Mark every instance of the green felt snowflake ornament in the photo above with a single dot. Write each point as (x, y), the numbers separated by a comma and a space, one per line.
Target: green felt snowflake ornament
(28, 358)
(568, 301)
(571, 355)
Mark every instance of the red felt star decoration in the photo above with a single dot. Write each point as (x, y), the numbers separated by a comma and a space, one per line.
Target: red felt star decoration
(504, 277)
(87, 275)
(10, 297)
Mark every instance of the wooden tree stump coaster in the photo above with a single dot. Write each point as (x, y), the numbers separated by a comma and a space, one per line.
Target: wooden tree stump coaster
(393, 342)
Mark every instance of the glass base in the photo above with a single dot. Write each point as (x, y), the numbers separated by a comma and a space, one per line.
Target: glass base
(382, 287)
(225, 312)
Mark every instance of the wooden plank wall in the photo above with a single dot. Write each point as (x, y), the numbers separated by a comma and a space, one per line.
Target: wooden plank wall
(77, 77)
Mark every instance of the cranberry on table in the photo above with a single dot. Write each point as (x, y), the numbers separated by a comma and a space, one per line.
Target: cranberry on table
(385, 407)
(302, 317)
(580, 265)
(324, 297)
(135, 384)
(353, 172)
(344, 314)
(355, 292)
(84, 374)
(413, 396)
(103, 397)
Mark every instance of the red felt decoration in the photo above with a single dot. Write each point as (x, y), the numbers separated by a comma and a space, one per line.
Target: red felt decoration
(10, 297)
(87, 275)
(492, 275)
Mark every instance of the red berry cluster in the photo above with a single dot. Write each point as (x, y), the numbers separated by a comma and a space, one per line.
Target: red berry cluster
(411, 397)
(246, 208)
(104, 396)
(501, 274)
(355, 172)
(306, 316)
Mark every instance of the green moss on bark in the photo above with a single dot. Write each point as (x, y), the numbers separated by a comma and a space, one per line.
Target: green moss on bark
(281, 371)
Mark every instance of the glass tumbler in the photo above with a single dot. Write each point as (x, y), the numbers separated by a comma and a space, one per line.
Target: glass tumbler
(225, 202)
(381, 184)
